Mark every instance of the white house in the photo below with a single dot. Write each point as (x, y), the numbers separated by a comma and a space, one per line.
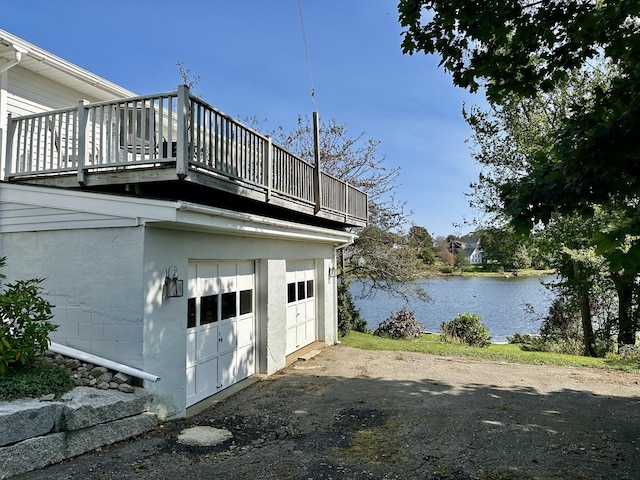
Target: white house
(172, 238)
(469, 245)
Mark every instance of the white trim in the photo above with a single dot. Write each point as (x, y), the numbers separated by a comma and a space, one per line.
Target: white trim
(44, 57)
(246, 223)
(170, 214)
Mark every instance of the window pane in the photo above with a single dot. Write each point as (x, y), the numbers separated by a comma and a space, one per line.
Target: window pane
(301, 295)
(291, 292)
(228, 305)
(191, 313)
(246, 302)
(208, 309)
(309, 288)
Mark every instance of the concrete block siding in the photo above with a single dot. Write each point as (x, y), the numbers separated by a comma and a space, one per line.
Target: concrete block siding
(91, 279)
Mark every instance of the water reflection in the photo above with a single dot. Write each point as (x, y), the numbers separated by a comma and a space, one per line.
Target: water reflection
(501, 302)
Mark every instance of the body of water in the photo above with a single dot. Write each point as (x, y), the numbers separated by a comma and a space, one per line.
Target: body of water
(500, 302)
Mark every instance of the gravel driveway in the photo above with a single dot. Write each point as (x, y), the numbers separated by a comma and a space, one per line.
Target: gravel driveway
(355, 414)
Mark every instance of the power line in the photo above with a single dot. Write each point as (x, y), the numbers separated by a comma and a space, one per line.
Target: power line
(306, 52)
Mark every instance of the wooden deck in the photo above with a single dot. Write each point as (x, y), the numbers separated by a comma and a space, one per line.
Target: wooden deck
(175, 146)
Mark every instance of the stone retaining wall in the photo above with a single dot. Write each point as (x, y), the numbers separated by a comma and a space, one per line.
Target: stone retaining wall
(34, 434)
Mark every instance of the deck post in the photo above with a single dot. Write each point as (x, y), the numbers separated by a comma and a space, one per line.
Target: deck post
(268, 168)
(182, 146)
(83, 138)
(317, 191)
(346, 202)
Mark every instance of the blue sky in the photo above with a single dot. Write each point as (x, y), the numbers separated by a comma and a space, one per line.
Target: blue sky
(251, 61)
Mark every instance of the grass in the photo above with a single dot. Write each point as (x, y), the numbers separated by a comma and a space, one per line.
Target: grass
(34, 380)
(431, 344)
(483, 271)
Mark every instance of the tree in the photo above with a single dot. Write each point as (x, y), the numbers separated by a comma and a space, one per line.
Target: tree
(516, 49)
(420, 240)
(380, 254)
(503, 246)
(508, 140)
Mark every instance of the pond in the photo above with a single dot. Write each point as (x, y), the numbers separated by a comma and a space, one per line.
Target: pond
(504, 304)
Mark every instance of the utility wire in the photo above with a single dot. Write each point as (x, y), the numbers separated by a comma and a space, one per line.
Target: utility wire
(306, 52)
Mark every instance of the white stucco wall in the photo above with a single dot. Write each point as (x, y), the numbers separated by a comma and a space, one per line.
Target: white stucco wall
(93, 277)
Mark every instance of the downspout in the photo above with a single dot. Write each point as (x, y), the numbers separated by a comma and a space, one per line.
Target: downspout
(103, 362)
(12, 63)
(18, 52)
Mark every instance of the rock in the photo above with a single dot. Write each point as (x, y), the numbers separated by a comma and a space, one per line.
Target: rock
(126, 388)
(105, 377)
(89, 375)
(97, 371)
(82, 382)
(204, 436)
(121, 378)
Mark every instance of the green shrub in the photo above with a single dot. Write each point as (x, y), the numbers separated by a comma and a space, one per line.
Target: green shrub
(348, 315)
(522, 338)
(401, 325)
(35, 379)
(466, 328)
(630, 353)
(24, 317)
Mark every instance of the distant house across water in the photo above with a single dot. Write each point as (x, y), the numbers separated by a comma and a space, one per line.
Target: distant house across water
(467, 244)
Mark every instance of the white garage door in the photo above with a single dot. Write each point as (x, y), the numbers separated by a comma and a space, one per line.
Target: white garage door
(301, 304)
(220, 327)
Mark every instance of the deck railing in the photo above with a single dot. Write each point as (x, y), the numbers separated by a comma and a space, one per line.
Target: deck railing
(166, 130)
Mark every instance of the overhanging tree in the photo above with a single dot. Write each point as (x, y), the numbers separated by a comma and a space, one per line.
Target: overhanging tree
(517, 49)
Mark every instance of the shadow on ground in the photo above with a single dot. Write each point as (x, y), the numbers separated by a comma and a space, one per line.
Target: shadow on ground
(354, 415)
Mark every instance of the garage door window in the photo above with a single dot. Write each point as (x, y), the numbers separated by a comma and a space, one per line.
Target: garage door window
(191, 313)
(246, 302)
(299, 291)
(228, 305)
(208, 309)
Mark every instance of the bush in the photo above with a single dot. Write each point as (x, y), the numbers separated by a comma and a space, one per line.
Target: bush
(561, 332)
(401, 325)
(466, 328)
(630, 353)
(348, 315)
(24, 317)
(522, 338)
(34, 380)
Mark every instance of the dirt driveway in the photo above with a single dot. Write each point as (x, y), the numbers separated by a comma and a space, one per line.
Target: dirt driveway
(354, 414)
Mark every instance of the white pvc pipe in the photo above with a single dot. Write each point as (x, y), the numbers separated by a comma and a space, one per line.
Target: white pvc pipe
(103, 362)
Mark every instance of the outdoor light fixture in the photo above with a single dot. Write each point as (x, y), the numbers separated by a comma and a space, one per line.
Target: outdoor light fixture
(172, 285)
(332, 271)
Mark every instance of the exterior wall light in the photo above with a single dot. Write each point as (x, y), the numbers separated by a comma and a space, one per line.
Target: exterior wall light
(332, 271)
(173, 287)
